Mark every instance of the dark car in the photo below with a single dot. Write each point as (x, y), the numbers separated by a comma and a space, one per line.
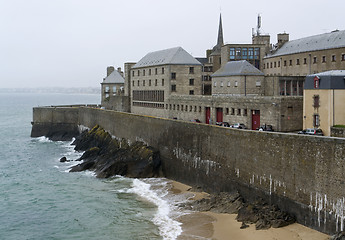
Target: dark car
(312, 131)
(266, 127)
(223, 124)
(195, 120)
(239, 126)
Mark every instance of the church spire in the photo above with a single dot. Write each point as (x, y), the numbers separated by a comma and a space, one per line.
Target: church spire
(220, 41)
(216, 49)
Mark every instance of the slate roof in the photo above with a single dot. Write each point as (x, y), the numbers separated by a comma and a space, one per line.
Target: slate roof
(171, 56)
(334, 79)
(114, 77)
(237, 68)
(335, 39)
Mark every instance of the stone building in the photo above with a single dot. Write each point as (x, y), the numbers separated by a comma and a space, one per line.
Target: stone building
(113, 84)
(324, 100)
(306, 56)
(161, 74)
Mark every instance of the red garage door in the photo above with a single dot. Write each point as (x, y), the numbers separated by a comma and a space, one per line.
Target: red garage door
(255, 119)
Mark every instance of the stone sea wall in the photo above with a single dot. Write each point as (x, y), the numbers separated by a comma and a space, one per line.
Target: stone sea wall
(304, 175)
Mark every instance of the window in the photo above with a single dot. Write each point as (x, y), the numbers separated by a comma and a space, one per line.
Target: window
(323, 59)
(284, 63)
(239, 111)
(162, 70)
(173, 88)
(162, 82)
(150, 82)
(316, 101)
(236, 83)
(149, 71)
(191, 82)
(258, 83)
(297, 62)
(232, 111)
(333, 58)
(305, 61)
(275, 64)
(133, 83)
(232, 53)
(133, 74)
(268, 66)
(144, 72)
(215, 84)
(316, 120)
(245, 112)
(156, 71)
(250, 53)
(342, 57)
(191, 92)
(138, 72)
(156, 82)
(271, 65)
(227, 111)
(228, 83)
(238, 53)
(143, 82)
(314, 60)
(316, 82)
(221, 83)
(191, 70)
(290, 63)
(244, 53)
(278, 63)
(173, 75)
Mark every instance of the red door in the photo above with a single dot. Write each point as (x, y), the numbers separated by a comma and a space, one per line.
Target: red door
(219, 114)
(255, 119)
(208, 115)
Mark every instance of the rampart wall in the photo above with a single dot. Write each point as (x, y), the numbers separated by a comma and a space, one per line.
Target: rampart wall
(304, 175)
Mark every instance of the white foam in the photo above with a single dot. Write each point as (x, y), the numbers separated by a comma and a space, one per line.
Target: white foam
(169, 229)
(42, 139)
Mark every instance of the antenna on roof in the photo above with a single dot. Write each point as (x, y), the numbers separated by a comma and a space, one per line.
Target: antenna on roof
(258, 28)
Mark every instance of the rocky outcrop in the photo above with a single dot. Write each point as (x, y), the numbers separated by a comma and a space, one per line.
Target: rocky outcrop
(259, 213)
(107, 156)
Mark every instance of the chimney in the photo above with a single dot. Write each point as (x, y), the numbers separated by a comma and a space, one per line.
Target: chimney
(119, 71)
(282, 38)
(110, 69)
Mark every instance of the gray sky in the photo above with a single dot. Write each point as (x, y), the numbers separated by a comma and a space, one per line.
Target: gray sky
(69, 43)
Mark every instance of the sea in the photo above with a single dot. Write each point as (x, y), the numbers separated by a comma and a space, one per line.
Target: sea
(41, 199)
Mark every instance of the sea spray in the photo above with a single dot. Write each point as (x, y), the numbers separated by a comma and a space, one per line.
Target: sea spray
(169, 229)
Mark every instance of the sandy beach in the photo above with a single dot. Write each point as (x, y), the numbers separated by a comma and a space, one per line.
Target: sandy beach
(219, 226)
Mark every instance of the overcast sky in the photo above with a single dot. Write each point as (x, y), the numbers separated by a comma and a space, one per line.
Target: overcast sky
(69, 43)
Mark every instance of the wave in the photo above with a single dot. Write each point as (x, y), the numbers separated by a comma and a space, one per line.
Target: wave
(42, 139)
(169, 229)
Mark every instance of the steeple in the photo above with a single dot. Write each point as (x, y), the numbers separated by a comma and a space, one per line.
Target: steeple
(220, 42)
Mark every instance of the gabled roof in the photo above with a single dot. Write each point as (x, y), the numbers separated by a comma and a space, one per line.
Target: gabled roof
(114, 77)
(237, 68)
(171, 56)
(335, 39)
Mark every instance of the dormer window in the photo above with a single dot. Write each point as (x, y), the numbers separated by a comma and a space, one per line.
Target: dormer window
(316, 82)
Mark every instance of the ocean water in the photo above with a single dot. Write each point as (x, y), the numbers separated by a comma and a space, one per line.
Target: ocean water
(40, 199)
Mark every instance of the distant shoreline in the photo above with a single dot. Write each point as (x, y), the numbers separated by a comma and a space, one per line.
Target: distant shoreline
(74, 90)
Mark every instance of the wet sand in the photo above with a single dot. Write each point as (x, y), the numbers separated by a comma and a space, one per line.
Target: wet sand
(219, 226)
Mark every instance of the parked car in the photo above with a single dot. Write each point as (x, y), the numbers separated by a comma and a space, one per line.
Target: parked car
(239, 126)
(223, 124)
(195, 120)
(312, 131)
(266, 127)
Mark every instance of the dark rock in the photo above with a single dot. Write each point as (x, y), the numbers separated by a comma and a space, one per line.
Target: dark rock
(264, 216)
(63, 159)
(220, 203)
(338, 236)
(243, 226)
(108, 156)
